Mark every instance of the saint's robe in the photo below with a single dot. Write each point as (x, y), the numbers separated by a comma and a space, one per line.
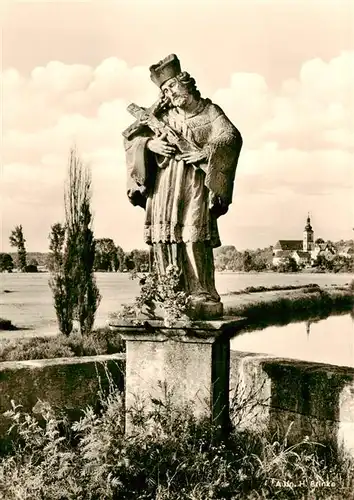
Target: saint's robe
(183, 201)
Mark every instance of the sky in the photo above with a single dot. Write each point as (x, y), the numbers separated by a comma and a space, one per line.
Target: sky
(282, 71)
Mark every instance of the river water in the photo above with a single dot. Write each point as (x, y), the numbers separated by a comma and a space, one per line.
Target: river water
(329, 340)
(26, 299)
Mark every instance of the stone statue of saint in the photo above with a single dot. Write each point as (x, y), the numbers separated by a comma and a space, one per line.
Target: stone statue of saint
(183, 191)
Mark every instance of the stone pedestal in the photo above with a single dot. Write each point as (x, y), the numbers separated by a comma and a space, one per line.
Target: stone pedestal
(192, 364)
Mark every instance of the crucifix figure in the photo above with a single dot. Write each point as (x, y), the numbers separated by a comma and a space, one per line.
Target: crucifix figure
(181, 158)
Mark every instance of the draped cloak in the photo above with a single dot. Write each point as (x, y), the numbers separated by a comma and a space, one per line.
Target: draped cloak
(182, 202)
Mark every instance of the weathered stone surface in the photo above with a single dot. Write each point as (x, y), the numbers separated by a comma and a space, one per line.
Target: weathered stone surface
(250, 391)
(184, 368)
(206, 310)
(297, 398)
(229, 325)
(193, 366)
(346, 417)
(68, 384)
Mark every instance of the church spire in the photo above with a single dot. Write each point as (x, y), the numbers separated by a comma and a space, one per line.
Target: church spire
(308, 238)
(308, 226)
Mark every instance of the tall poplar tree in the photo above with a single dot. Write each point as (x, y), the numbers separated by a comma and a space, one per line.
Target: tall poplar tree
(17, 240)
(73, 283)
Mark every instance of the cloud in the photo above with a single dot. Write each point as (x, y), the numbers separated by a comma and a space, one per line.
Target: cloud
(248, 103)
(302, 172)
(312, 112)
(58, 89)
(298, 143)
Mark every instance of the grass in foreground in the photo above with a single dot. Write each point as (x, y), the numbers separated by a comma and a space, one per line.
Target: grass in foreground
(101, 341)
(170, 456)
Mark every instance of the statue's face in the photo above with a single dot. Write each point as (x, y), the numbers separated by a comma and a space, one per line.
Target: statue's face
(176, 92)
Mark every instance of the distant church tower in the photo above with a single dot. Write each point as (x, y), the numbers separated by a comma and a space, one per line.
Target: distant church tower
(307, 242)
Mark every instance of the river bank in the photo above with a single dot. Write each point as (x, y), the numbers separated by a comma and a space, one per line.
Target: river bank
(30, 307)
(260, 309)
(282, 306)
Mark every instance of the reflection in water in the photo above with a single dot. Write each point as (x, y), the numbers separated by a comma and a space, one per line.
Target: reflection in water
(330, 340)
(308, 324)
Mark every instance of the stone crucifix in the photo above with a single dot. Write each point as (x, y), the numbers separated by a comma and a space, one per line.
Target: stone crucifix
(181, 159)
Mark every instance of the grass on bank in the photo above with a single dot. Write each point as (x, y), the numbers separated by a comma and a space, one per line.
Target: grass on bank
(100, 341)
(257, 289)
(170, 456)
(310, 287)
(300, 304)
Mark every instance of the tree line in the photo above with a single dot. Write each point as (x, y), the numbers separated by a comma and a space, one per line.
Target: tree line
(110, 257)
(228, 258)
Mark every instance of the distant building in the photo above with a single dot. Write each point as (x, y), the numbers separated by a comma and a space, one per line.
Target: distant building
(307, 237)
(324, 249)
(347, 252)
(304, 251)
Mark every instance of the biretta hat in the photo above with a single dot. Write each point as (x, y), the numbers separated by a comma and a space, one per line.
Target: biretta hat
(165, 69)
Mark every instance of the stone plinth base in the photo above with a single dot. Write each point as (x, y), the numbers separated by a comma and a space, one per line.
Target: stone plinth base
(191, 364)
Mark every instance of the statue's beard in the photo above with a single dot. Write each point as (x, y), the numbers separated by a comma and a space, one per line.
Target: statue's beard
(180, 99)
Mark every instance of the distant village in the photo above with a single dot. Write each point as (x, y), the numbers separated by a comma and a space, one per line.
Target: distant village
(308, 251)
(307, 254)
